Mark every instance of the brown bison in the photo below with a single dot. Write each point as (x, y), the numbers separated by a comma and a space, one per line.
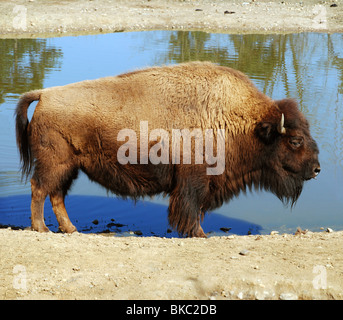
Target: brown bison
(102, 127)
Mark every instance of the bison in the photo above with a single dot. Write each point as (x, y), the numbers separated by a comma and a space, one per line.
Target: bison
(101, 127)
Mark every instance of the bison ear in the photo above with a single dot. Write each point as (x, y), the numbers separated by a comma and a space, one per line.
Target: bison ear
(267, 132)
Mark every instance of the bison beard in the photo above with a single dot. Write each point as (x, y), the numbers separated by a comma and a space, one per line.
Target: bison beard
(73, 126)
(287, 189)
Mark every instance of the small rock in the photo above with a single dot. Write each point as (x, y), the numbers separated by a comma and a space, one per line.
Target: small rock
(225, 229)
(229, 12)
(198, 10)
(288, 296)
(240, 295)
(329, 230)
(333, 5)
(300, 231)
(244, 252)
(260, 296)
(96, 221)
(274, 233)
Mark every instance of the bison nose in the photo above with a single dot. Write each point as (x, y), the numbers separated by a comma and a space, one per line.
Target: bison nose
(316, 170)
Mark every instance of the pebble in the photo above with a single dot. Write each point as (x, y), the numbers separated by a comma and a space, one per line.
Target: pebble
(260, 295)
(288, 296)
(244, 252)
(300, 231)
(240, 295)
(329, 230)
(224, 294)
(274, 232)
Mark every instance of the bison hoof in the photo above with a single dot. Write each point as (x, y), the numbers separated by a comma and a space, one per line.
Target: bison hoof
(197, 234)
(201, 234)
(40, 228)
(67, 229)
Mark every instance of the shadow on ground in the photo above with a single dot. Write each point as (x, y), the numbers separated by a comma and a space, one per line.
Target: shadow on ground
(93, 214)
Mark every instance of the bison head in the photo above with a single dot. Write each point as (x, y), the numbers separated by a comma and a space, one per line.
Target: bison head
(289, 153)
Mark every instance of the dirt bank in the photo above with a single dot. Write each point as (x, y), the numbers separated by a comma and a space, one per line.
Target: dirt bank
(89, 266)
(80, 266)
(37, 18)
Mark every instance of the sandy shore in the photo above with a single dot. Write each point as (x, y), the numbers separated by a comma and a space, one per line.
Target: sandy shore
(89, 266)
(39, 18)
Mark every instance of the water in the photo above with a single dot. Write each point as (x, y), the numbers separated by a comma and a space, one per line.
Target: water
(307, 66)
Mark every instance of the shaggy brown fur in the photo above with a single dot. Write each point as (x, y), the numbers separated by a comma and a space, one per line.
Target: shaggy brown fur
(76, 127)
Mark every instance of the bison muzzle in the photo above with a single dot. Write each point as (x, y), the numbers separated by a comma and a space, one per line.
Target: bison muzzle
(267, 144)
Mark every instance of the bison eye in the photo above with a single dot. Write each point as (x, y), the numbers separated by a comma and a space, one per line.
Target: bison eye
(296, 142)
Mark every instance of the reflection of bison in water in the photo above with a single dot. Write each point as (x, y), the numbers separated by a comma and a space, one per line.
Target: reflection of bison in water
(267, 143)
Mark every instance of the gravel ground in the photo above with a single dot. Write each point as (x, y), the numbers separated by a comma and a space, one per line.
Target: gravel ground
(91, 266)
(37, 18)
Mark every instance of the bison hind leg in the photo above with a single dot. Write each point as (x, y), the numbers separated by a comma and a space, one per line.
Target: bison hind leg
(55, 169)
(58, 206)
(38, 195)
(54, 182)
(57, 198)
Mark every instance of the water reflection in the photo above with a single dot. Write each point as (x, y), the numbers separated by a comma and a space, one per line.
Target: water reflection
(24, 64)
(307, 66)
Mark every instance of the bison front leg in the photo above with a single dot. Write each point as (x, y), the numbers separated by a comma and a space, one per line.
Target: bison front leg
(197, 232)
(57, 201)
(200, 232)
(184, 211)
(37, 207)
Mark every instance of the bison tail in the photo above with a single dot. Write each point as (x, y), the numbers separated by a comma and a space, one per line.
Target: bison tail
(22, 123)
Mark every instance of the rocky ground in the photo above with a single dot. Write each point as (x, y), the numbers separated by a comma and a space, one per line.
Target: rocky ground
(33, 18)
(92, 266)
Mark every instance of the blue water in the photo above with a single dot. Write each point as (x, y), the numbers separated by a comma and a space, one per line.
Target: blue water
(308, 67)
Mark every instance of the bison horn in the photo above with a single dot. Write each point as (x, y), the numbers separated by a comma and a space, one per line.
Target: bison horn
(281, 128)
